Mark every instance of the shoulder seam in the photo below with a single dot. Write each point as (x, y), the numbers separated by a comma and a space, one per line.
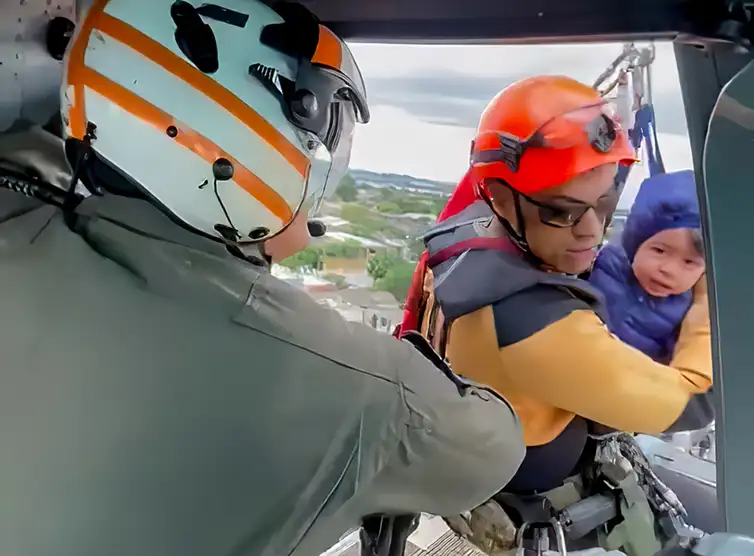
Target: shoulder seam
(517, 318)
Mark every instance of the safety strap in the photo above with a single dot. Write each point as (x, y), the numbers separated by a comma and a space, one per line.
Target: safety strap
(636, 534)
(644, 133)
(471, 244)
(419, 308)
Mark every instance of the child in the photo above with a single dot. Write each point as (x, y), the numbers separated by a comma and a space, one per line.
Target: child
(647, 279)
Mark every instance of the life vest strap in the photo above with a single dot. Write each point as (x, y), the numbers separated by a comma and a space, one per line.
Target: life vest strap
(471, 244)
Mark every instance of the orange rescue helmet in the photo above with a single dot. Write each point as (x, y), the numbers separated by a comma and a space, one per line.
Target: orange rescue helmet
(543, 131)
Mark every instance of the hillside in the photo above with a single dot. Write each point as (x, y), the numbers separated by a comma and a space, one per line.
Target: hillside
(375, 222)
(366, 178)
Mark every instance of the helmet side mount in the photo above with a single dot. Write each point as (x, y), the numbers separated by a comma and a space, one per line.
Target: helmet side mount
(194, 37)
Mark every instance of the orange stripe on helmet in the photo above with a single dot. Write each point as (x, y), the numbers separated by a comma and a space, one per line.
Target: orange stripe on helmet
(170, 62)
(187, 138)
(329, 50)
(77, 111)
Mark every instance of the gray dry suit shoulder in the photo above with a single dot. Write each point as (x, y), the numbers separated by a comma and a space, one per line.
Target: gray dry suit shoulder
(161, 396)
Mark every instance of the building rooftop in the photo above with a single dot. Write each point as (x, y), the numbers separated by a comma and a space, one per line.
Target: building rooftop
(360, 297)
(343, 236)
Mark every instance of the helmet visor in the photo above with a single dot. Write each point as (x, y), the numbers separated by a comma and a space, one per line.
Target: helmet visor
(595, 125)
(331, 158)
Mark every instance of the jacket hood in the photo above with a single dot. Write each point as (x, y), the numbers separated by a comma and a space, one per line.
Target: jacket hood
(665, 202)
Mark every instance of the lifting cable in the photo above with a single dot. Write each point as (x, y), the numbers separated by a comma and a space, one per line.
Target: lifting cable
(627, 83)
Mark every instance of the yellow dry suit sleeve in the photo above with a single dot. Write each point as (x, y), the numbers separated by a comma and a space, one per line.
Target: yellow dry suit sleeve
(694, 346)
(561, 354)
(693, 352)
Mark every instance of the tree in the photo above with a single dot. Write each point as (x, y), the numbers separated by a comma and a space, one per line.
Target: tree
(336, 279)
(391, 273)
(387, 194)
(378, 266)
(309, 258)
(347, 190)
(367, 223)
(389, 207)
(348, 249)
(416, 247)
(397, 280)
(356, 213)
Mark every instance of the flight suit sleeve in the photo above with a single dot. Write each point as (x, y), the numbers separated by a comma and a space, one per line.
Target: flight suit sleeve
(553, 348)
(461, 446)
(422, 442)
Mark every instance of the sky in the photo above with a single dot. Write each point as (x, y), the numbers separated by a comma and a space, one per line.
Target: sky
(425, 101)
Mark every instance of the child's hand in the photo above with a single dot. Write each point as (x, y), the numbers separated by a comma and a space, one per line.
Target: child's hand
(700, 288)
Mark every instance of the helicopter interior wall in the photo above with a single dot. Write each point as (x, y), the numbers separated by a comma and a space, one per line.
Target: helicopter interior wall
(503, 21)
(29, 77)
(722, 155)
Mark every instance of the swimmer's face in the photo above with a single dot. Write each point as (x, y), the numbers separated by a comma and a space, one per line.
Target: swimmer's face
(669, 263)
(563, 225)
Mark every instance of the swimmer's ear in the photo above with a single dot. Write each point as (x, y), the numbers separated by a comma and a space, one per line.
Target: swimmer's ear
(500, 194)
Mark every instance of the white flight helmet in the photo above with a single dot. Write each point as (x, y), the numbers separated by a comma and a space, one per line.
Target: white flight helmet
(231, 117)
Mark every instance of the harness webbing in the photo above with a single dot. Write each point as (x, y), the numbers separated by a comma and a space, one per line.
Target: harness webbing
(471, 244)
(644, 133)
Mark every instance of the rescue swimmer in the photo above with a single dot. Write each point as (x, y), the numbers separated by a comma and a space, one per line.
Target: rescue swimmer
(161, 392)
(497, 292)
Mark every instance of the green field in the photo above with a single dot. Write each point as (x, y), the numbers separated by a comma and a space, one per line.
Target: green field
(376, 214)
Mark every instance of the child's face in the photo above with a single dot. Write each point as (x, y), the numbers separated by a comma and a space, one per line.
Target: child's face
(668, 263)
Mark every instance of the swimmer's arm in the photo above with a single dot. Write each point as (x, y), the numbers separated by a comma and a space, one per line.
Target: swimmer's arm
(555, 349)
(694, 346)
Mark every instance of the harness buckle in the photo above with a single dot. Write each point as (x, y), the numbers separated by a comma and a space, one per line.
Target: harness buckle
(520, 538)
(675, 526)
(541, 540)
(560, 539)
(541, 537)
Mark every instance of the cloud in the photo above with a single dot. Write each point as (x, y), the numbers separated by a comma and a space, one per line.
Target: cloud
(451, 84)
(399, 141)
(426, 101)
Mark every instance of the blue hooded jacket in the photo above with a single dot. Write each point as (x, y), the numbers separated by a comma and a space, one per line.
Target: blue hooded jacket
(650, 324)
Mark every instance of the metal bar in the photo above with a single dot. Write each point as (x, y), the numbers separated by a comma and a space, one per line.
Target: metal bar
(506, 22)
(703, 72)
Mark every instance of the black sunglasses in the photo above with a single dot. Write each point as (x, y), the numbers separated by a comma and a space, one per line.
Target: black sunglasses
(569, 215)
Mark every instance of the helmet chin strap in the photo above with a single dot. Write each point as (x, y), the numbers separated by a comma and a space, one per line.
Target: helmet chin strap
(518, 237)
